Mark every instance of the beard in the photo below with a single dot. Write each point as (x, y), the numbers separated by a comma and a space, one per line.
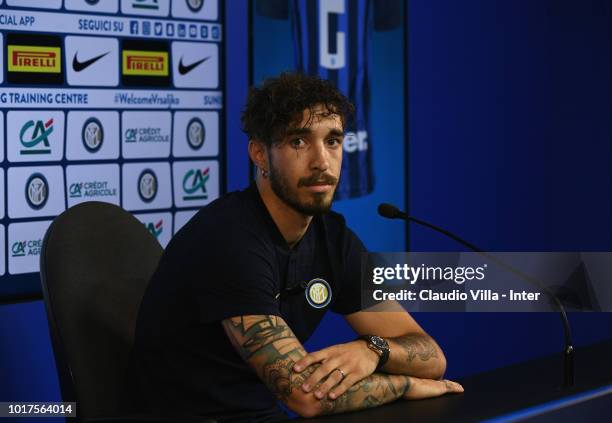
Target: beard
(319, 204)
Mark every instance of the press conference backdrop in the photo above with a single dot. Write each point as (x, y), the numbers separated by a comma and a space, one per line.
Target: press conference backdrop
(118, 101)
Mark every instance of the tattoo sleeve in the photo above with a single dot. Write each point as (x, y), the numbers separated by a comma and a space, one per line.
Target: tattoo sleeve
(416, 355)
(374, 390)
(270, 347)
(416, 347)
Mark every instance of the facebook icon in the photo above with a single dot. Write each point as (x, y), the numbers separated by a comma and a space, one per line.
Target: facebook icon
(133, 27)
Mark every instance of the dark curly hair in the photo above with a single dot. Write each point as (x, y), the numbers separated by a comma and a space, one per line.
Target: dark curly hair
(279, 102)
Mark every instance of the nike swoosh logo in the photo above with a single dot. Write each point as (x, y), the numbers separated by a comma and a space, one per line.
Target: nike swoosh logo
(79, 66)
(186, 69)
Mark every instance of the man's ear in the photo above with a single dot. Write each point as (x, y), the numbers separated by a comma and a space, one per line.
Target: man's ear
(257, 154)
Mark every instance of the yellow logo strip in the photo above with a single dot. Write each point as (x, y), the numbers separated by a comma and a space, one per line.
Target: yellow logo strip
(147, 63)
(34, 59)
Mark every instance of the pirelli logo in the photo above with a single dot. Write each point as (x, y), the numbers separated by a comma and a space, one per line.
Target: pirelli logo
(34, 59)
(145, 63)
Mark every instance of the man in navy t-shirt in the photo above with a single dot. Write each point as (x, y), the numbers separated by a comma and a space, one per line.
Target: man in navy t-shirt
(245, 283)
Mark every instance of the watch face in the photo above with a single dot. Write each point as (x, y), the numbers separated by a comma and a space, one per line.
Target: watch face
(378, 342)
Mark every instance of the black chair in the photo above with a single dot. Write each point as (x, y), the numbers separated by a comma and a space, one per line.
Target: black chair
(96, 262)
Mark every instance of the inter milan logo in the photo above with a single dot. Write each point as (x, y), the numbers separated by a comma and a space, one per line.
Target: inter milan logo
(92, 135)
(195, 5)
(37, 191)
(147, 185)
(196, 133)
(318, 293)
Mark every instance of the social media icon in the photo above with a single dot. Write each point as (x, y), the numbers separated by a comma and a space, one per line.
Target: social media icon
(170, 29)
(159, 28)
(146, 28)
(133, 27)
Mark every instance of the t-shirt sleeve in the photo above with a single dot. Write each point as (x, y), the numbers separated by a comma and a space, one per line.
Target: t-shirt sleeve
(237, 277)
(349, 300)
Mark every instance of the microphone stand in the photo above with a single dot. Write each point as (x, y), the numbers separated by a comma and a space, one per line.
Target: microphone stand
(391, 212)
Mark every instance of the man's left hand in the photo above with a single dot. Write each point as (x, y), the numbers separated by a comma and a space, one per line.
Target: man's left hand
(341, 367)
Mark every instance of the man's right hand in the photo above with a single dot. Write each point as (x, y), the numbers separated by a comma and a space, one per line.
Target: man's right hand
(427, 388)
(269, 346)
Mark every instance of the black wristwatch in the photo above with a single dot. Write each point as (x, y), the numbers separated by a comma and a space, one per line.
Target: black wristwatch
(380, 347)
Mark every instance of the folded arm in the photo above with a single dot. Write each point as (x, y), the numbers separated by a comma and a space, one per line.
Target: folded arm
(267, 343)
(412, 351)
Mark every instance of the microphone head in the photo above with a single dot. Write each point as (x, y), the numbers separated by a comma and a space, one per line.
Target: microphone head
(389, 211)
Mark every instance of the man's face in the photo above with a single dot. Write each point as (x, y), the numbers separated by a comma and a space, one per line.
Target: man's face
(305, 165)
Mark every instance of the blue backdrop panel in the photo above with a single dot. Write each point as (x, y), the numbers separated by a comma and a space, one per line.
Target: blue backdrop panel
(510, 147)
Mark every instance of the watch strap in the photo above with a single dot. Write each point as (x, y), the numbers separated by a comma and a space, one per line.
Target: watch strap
(383, 350)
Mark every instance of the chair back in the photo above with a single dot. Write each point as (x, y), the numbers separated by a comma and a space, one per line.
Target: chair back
(96, 262)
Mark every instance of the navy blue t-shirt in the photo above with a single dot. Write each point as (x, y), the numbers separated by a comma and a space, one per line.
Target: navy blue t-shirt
(231, 260)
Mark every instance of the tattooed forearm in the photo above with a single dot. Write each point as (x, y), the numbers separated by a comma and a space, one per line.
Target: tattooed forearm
(270, 347)
(415, 346)
(253, 333)
(416, 355)
(374, 390)
(278, 374)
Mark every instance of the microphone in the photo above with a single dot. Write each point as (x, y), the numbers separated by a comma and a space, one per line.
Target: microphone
(390, 211)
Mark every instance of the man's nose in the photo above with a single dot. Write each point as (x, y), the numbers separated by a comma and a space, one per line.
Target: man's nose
(320, 158)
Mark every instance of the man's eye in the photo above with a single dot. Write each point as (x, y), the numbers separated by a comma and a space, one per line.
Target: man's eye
(334, 142)
(297, 143)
